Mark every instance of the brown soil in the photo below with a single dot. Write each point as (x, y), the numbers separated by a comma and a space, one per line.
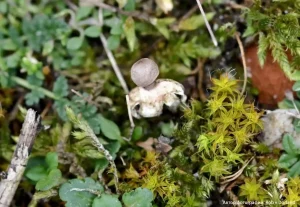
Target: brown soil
(269, 80)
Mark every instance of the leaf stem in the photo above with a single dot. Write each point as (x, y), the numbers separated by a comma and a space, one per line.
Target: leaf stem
(27, 85)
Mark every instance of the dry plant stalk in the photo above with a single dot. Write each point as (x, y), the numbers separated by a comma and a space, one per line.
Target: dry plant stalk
(89, 133)
(213, 38)
(238, 39)
(9, 185)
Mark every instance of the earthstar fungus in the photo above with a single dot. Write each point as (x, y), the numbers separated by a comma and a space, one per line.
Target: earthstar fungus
(151, 94)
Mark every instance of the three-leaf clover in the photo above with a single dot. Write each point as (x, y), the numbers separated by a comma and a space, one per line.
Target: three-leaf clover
(45, 172)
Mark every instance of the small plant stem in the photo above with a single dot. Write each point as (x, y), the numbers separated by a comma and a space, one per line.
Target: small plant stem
(42, 195)
(213, 38)
(114, 63)
(27, 85)
(200, 70)
(103, 182)
(234, 176)
(132, 125)
(238, 39)
(111, 56)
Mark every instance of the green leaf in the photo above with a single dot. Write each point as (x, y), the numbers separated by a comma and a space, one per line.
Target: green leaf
(59, 106)
(3, 7)
(101, 164)
(140, 197)
(287, 160)
(137, 133)
(34, 80)
(83, 198)
(42, 28)
(285, 104)
(296, 124)
(33, 97)
(263, 44)
(117, 28)
(121, 3)
(61, 87)
(48, 47)
(31, 65)
(194, 22)
(129, 31)
(296, 86)
(107, 201)
(167, 129)
(74, 43)
(50, 181)
(162, 25)
(130, 6)
(36, 173)
(289, 145)
(295, 170)
(8, 44)
(52, 160)
(109, 128)
(92, 31)
(113, 147)
(83, 12)
(250, 30)
(295, 75)
(113, 42)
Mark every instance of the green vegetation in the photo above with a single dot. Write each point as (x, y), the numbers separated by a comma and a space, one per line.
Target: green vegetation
(70, 61)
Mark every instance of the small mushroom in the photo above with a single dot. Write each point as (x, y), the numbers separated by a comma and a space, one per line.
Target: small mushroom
(147, 100)
(144, 72)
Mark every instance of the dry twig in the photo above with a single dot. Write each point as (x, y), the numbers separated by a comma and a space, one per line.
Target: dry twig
(238, 39)
(114, 63)
(234, 176)
(111, 56)
(234, 5)
(213, 38)
(9, 185)
(200, 65)
(132, 125)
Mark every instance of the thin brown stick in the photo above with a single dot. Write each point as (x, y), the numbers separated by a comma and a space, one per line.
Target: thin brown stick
(238, 39)
(111, 56)
(69, 158)
(15, 109)
(9, 185)
(1, 111)
(234, 176)
(213, 38)
(132, 125)
(114, 63)
(174, 26)
(46, 109)
(200, 65)
(235, 5)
